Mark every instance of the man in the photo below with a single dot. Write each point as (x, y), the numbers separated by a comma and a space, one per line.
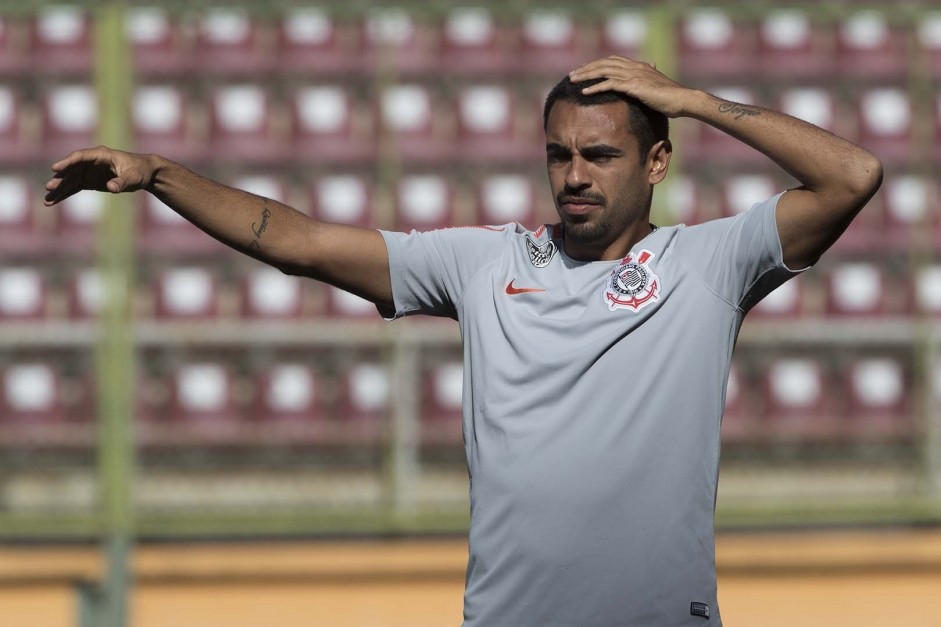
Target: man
(596, 350)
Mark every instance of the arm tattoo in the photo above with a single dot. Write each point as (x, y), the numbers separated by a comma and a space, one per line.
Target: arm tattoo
(259, 228)
(739, 110)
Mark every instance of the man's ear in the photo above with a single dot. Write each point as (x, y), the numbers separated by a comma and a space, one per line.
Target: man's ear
(658, 161)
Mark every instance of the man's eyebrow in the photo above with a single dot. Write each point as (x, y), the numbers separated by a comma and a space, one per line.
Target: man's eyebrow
(557, 148)
(602, 150)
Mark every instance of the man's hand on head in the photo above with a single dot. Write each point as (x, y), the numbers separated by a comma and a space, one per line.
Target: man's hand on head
(637, 79)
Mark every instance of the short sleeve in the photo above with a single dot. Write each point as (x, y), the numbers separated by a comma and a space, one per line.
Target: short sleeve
(430, 270)
(740, 257)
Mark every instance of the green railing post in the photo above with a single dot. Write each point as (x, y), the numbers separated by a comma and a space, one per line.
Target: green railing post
(115, 349)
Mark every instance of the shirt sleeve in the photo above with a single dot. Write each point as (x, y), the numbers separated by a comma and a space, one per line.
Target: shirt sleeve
(430, 270)
(740, 257)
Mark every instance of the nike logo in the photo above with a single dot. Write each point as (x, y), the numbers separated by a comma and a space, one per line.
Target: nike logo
(511, 289)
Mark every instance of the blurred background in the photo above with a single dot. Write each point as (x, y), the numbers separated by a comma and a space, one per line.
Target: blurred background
(190, 437)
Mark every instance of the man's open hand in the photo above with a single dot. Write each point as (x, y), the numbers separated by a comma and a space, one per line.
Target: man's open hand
(101, 169)
(636, 79)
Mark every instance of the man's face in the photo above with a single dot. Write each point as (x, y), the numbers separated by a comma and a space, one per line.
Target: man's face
(600, 184)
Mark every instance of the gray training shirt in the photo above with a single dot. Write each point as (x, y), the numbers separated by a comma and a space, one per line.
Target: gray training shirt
(593, 393)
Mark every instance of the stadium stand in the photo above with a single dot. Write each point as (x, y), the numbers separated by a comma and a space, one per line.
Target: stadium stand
(868, 45)
(442, 390)
(60, 40)
(161, 116)
(19, 228)
(798, 403)
(329, 127)
(343, 198)
(229, 41)
(157, 42)
(269, 294)
(550, 43)
(70, 119)
(624, 32)
(879, 400)
(506, 198)
(186, 293)
(713, 44)
(424, 202)
(24, 293)
(17, 146)
(791, 44)
(472, 42)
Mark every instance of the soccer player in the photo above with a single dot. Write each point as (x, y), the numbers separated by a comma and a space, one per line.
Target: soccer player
(596, 350)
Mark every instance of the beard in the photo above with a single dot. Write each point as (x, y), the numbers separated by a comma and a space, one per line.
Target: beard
(583, 231)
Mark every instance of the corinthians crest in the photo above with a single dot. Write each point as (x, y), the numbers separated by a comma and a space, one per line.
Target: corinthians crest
(540, 256)
(632, 285)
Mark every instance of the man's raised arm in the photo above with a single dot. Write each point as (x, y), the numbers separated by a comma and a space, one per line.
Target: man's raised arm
(837, 177)
(352, 258)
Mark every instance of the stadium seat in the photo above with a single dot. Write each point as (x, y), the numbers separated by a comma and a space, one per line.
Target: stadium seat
(310, 41)
(708, 144)
(343, 304)
(160, 116)
(504, 198)
(488, 127)
(19, 228)
(242, 126)
(162, 230)
(79, 217)
(364, 404)
(85, 293)
(201, 412)
(14, 59)
(624, 32)
(16, 144)
(23, 294)
(929, 40)
(798, 407)
(229, 41)
(328, 128)
(268, 293)
(157, 42)
(343, 199)
(811, 104)
(741, 192)
(908, 200)
(471, 42)
(70, 119)
(186, 293)
(683, 199)
(711, 43)
(61, 41)
(407, 117)
(288, 391)
(879, 400)
(885, 123)
(790, 44)
(784, 302)
(928, 289)
(868, 45)
(442, 393)
(424, 202)
(31, 395)
(394, 41)
(264, 185)
(550, 43)
(856, 289)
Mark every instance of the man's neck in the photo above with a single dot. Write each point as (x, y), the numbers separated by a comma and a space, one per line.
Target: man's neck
(613, 251)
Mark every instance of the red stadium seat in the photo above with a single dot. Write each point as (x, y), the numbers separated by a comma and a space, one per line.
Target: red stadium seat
(488, 126)
(393, 40)
(741, 192)
(856, 289)
(550, 43)
(270, 294)
(161, 123)
(343, 199)
(86, 294)
(784, 302)
(16, 144)
(908, 201)
(879, 400)
(70, 119)
(506, 198)
(162, 230)
(30, 395)
(928, 289)
(19, 230)
(14, 59)
(790, 44)
(79, 217)
(365, 393)
(885, 123)
(327, 127)
(407, 114)
(442, 393)
(424, 202)
(23, 294)
(343, 304)
(811, 104)
(711, 43)
(929, 40)
(61, 40)
(157, 42)
(797, 405)
(229, 41)
(868, 45)
(624, 32)
(471, 42)
(186, 293)
(708, 144)
(266, 186)
(242, 125)
(310, 41)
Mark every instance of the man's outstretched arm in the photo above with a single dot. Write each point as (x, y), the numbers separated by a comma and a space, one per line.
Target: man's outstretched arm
(352, 258)
(837, 177)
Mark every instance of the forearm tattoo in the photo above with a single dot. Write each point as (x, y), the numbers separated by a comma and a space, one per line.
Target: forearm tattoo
(259, 228)
(739, 110)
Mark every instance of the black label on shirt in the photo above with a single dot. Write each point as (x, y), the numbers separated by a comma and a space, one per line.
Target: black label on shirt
(699, 609)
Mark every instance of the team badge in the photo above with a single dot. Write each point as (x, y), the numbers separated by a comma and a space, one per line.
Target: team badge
(632, 285)
(540, 255)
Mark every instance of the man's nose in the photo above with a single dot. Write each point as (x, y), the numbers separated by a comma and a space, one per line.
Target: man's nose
(577, 175)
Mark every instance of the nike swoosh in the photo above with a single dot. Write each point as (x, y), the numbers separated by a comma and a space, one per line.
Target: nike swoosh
(511, 289)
